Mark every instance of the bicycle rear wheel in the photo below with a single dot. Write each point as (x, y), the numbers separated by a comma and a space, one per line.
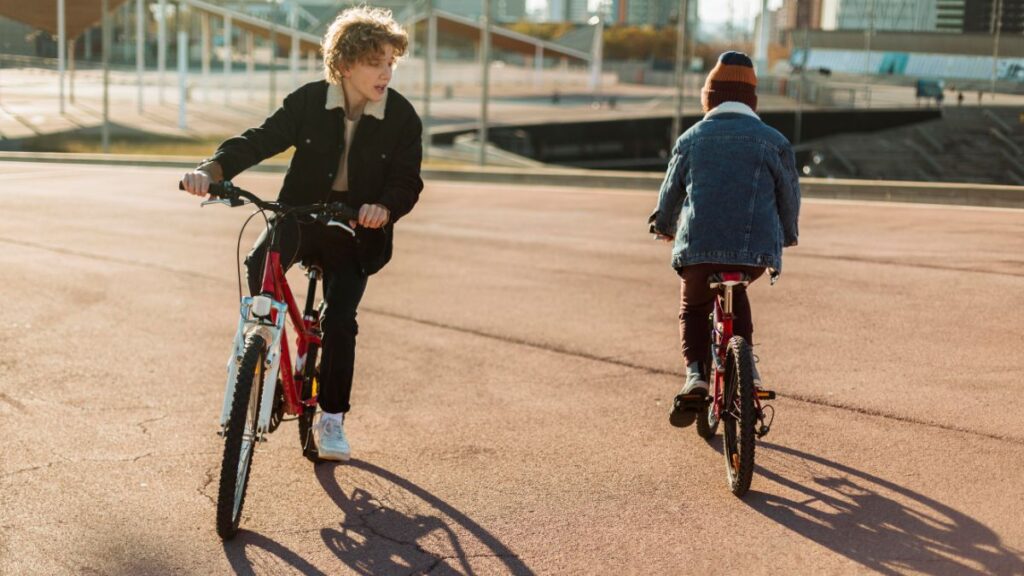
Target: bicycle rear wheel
(240, 437)
(738, 417)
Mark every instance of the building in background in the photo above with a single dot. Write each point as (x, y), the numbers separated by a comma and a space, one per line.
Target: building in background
(908, 15)
(568, 11)
(978, 16)
(799, 14)
(656, 13)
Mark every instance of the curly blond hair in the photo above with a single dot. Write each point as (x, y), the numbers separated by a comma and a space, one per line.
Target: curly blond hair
(357, 35)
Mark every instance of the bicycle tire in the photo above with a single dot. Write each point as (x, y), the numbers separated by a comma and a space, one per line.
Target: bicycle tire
(307, 439)
(738, 417)
(236, 464)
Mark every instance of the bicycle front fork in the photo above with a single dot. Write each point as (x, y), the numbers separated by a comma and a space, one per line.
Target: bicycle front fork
(255, 315)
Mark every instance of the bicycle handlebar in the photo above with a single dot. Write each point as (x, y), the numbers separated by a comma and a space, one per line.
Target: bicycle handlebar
(236, 197)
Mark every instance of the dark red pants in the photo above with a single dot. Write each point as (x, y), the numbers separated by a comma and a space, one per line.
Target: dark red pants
(696, 302)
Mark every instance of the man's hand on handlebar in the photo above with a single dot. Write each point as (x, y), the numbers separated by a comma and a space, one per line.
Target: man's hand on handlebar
(372, 216)
(197, 182)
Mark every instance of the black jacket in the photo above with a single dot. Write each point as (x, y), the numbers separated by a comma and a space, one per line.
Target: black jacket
(383, 168)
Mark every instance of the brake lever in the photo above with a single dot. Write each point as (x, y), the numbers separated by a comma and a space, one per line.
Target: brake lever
(231, 202)
(343, 226)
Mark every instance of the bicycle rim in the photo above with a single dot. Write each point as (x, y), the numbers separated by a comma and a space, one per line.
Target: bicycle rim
(738, 417)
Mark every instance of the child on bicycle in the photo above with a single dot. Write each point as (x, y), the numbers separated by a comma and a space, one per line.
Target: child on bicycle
(730, 202)
(358, 142)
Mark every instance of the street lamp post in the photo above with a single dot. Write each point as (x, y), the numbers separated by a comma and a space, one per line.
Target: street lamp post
(677, 118)
(762, 40)
(106, 41)
(867, 47)
(596, 54)
(485, 64)
(140, 51)
(61, 49)
(161, 47)
(429, 57)
(997, 24)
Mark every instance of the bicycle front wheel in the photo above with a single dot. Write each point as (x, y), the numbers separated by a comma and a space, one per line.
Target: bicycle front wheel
(738, 417)
(240, 436)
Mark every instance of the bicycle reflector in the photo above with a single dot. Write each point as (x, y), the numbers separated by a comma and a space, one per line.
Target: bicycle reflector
(261, 306)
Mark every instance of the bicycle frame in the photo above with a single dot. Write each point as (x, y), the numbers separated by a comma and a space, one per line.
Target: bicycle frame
(266, 313)
(722, 332)
(721, 327)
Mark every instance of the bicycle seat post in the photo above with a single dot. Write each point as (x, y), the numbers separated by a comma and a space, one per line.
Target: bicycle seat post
(727, 308)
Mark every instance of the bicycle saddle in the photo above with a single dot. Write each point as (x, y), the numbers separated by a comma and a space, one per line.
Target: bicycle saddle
(728, 279)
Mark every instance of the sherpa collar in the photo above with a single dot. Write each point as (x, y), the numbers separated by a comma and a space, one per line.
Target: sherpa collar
(336, 99)
(732, 107)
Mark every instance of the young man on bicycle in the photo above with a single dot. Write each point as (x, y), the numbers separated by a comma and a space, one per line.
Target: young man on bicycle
(730, 202)
(358, 142)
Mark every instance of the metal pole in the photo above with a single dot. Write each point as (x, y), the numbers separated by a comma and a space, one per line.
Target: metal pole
(229, 56)
(680, 72)
(204, 53)
(61, 49)
(762, 40)
(140, 50)
(868, 31)
(596, 56)
(182, 75)
(161, 47)
(538, 66)
(485, 64)
(71, 71)
(250, 64)
(798, 128)
(997, 24)
(293, 61)
(293, 53)
(105, 136)
(273, 68)
(428, 72)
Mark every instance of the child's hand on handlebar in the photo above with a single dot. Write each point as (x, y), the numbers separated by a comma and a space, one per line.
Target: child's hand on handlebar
(373, 216)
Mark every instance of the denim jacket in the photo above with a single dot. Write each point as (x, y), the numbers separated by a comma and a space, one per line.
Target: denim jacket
(731, 194)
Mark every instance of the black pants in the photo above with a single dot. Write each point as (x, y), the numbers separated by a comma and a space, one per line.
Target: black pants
(696, 301)
(343, 286)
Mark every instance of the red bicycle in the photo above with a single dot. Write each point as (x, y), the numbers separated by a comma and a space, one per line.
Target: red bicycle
(735, 401)
(262, 384)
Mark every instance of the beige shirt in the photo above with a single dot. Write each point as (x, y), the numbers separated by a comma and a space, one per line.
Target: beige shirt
(336, 99)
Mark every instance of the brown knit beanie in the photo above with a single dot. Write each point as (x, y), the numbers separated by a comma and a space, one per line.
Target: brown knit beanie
(731, 80)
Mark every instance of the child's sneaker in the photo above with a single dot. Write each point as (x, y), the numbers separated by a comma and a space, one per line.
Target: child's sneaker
(333, 444)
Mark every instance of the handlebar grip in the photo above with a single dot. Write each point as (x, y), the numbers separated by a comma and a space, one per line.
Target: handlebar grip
(344, 211)
(217, 189)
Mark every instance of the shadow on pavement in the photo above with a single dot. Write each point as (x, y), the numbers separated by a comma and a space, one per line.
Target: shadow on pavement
(885, 527)
(390, 526)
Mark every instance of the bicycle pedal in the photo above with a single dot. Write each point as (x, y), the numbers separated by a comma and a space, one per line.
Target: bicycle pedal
(693, 400)
(766, 395)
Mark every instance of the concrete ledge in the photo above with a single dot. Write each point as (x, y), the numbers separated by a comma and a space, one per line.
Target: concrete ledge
(872, 190)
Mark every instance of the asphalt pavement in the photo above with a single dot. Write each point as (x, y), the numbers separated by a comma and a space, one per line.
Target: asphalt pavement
(515, 366)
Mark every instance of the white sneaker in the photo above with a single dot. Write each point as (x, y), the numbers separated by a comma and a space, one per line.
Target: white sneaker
(333, 445)
(756, 376)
